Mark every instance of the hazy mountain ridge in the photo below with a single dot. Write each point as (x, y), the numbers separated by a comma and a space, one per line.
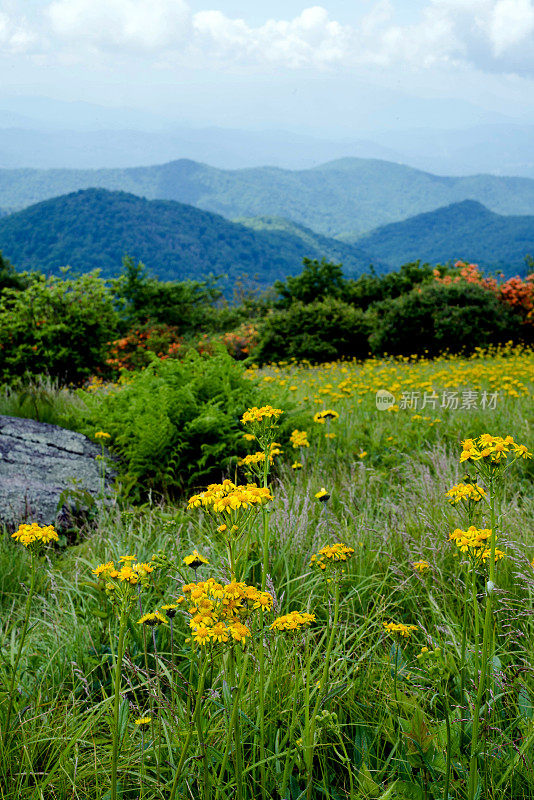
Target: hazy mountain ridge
(94, 228)
(461, 230)
(344, 198)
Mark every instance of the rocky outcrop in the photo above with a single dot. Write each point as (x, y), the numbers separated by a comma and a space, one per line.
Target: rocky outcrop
(38, 464)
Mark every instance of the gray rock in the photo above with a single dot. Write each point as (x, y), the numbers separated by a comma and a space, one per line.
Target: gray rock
(38, 462)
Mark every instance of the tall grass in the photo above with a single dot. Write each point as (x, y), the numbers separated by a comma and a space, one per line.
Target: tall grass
(380, 728)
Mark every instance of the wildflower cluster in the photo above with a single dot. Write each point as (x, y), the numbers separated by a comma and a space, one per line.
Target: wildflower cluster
(259, 415)
(294, 621)
(322, 416)
(474, 542)
(259, 457)
(399, 629)
(468, 492)
(331, 554)
(34, 534)
(322, 495)
(492, 449)
(102, 435)
(299, 439)
(227, 497)
(128, 571)
(218, 612)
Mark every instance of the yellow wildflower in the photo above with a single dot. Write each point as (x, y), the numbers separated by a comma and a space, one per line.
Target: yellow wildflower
(195, 560)
(398, 628)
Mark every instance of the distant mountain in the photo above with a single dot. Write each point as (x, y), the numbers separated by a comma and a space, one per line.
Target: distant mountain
(464, 230)
(344, 198)
(94, 228)
(22, 147)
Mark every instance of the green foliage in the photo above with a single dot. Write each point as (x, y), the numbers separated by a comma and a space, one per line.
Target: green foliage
(317, 281)
(182, 305)
(347, 197)
(319, 331)
(56, 326)
(9, 277)
(94, 228)
(371, 288)
(461, 230)
(435, 318)
(176, 422)
(42, 399)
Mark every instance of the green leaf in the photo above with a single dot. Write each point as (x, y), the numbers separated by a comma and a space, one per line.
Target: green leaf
(524, 703)
(363, 739)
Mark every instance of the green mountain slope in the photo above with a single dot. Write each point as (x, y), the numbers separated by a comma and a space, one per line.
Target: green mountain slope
(95, 228)
(465, 230)
(343, 198)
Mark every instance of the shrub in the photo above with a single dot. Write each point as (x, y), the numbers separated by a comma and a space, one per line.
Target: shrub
(56, 326)
(370, 288)
(176, 422)
(319, 331)
(436, 317)
(184, 305)
(317, 281)
(136, 348)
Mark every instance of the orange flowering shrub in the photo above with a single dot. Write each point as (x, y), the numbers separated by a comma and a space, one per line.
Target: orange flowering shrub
(133, 351)
(516, 292)
(241, 341)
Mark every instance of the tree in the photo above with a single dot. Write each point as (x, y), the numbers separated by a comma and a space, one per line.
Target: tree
(56, 326)
(317, 281)
(180, 304)
(9, 277)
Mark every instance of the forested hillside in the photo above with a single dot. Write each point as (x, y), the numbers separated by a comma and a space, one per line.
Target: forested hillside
(345, 198)
(94, 228)
(462, 230)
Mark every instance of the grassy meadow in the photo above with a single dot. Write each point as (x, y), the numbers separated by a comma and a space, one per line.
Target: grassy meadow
(405, 671)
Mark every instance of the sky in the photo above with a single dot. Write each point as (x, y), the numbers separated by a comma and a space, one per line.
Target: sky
(337, 69)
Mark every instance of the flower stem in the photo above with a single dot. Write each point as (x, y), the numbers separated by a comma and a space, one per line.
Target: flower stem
(118, 667)
(231, 730)
(487, 635)
(462, 658)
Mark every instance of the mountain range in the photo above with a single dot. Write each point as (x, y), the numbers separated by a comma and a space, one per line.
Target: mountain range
(344, 199)
(450, 137)
(95, 228)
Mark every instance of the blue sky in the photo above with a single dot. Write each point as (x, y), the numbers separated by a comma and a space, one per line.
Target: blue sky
(333, 69)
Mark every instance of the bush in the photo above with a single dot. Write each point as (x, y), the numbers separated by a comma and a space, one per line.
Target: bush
(370, 288)
(176, 423)
(437, 317)
(138, 346)
(317, 281)
(319, 331)
(56, 326)
(184, 305)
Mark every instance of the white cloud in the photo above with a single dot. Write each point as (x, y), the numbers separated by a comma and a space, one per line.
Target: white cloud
(493, 35)
(312, 38)
(15, 36)
(489, 35)
(512, 23)
(149, 25)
